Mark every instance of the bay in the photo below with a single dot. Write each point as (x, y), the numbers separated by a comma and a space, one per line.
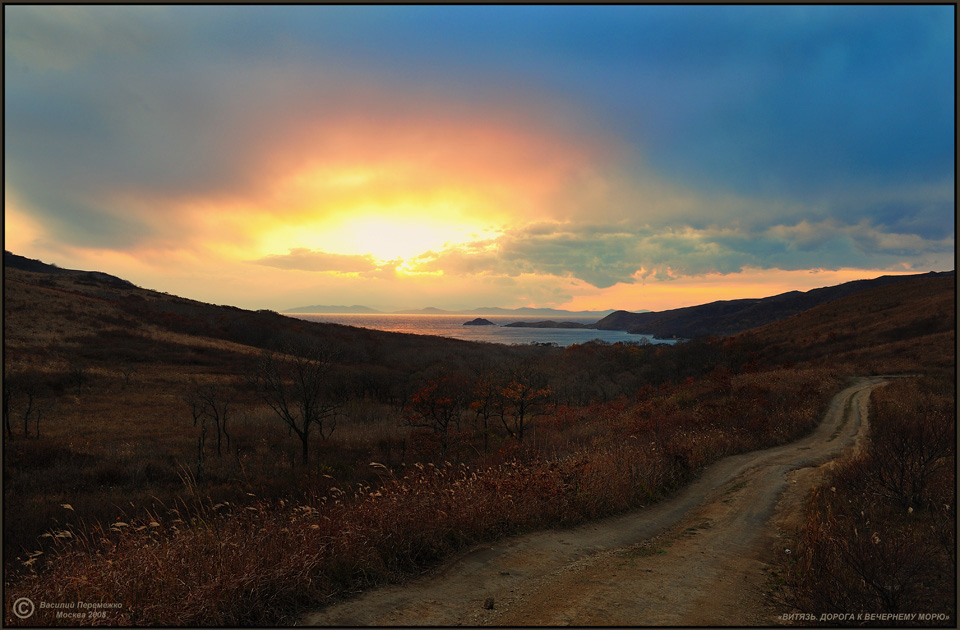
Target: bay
(452, 326)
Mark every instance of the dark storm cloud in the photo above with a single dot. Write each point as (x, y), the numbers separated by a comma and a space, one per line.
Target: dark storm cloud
(603, 256)
(818, 106)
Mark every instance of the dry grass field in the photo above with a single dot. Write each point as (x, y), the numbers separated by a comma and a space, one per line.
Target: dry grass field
(113, 491)
(900, 328)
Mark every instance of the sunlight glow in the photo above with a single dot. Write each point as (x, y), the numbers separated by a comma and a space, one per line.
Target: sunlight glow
(20, 230)
(389, 238)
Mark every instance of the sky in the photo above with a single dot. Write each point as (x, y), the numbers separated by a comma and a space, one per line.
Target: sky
(573, 157)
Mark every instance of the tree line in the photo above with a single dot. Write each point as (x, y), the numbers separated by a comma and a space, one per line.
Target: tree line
(306, 384)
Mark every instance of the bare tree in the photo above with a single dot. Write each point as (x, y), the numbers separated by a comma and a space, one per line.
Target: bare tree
(25, 387)
(484, 406)
(910, 448)
(78, 374)
(42, 407)
(212, 401)
(29, 391)
(201, 442)
(297, 384)
(8, 390)
(127, 369)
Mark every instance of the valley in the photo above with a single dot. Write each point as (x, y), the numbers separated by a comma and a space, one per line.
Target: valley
(139, 430)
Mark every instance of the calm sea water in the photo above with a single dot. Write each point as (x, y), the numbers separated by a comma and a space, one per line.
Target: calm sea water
(452, 326)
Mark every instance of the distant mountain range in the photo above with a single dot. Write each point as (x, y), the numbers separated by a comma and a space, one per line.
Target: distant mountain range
(430, 310)
(335, 310)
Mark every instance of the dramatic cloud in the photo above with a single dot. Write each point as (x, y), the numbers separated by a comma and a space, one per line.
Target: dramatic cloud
(603, 256)
(457, 151)
(306, 260)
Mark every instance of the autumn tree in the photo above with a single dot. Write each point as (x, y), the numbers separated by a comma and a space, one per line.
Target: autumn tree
(437, 406)
(520, 397)
(484, 405)
(297, 383)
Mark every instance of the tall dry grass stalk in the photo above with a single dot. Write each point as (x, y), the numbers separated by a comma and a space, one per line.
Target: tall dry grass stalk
(260, 562)
(879, 535)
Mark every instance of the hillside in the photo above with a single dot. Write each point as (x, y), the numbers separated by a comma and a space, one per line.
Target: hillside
(94, 316)
(119, 396)
(729, 317)
(103, 370)
(55, 319)
(13, 261)
(908, 325)
(62, 310)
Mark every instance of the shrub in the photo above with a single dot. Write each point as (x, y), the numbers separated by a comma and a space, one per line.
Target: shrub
(230, 564)
(879, 535)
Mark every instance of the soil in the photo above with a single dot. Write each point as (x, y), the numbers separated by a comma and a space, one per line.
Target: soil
(702, 557)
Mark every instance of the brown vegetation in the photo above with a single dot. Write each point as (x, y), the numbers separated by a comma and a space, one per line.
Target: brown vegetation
(247, 562)
(731, 317)
(906, 327)
(124, 496)
(880, 533)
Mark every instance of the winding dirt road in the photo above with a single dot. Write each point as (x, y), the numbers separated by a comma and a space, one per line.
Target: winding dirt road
(700, 557)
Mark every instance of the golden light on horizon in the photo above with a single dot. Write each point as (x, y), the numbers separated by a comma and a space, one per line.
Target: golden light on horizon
(389, 238)
(408, 211)
(750, 282)
(400, 232)
(390, 210)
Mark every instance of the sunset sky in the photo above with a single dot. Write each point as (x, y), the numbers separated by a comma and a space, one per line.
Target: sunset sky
(630, 157)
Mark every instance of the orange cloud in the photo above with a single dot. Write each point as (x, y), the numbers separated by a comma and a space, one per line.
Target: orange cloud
(379, 185)
(752, 282)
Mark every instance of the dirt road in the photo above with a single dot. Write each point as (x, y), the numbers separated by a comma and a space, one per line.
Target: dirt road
(698, 558)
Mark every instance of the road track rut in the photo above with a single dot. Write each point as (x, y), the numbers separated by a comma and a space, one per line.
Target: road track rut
(700, 557)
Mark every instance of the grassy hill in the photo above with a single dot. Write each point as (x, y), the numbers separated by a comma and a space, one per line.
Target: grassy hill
(905, 326)
(729, 317)
(102, 371)
(12, 261)
(70, 316)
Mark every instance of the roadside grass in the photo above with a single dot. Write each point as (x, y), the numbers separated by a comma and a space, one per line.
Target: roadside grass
(879, 535)
(256, 560)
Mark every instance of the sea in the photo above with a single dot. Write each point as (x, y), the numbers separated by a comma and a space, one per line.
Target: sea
(452, 326)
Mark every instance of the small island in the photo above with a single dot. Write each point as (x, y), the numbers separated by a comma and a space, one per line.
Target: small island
(550, 324)
(479, 322)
